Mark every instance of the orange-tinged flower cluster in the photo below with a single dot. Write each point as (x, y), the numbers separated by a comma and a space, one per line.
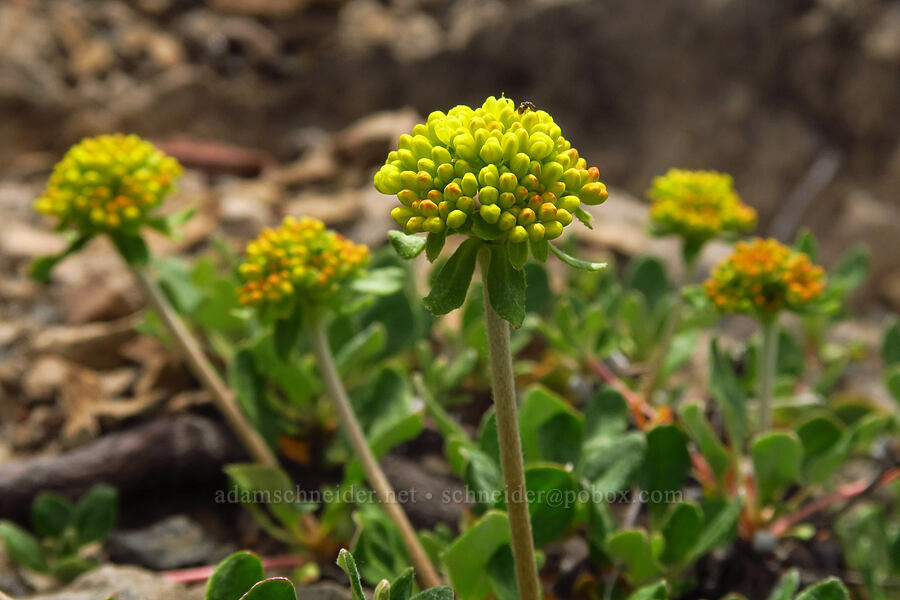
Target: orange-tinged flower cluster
(764, 276)
(698, 205)
(108, 183)
(298, 259)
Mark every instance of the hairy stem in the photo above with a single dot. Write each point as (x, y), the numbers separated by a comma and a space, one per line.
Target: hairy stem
(425, 571)
(203, 369)
(767, 362)
(511, 460)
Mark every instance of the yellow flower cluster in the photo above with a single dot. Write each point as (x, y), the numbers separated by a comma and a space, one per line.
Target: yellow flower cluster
(108, 183)
(764, 276)
(498, 172)
(697, 205)
(300, 257)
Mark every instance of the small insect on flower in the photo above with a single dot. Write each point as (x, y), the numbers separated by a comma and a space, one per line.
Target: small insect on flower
(697, 205)
(299, 260)
(526, 105)
(762, 277)
(108, 183)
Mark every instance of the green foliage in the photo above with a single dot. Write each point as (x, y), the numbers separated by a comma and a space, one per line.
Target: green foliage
(62, 529)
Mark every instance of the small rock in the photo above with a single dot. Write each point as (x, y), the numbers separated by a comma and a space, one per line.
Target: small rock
(91, 58)
(890, 289)
(42, 424)
(121, 583)
(11, 584)
(422, 38)
(882, 42)
(173, 543)
(246, 206)
(21, 240)
(368, 140)
(259, 8)
(323, 591)
(102, 296)
(334, 209)
(44, 378)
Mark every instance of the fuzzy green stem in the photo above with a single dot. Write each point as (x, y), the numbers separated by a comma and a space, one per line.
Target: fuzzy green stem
(653, 375)
(203, 369)
(425, 571)
(767, 364)
(511, 461)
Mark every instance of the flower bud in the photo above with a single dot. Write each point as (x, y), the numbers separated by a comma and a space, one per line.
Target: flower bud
(490, 213)
(387, 180)
(469, 184)
(488, 195)
(433, 225)
(519, 165)
(445, 172)
(401, 215)
(535, 232)
(452, 192)
(547, 212)
(415, 225)
(569, 203)
(491, 152)
(456, 219)
(552, 230)
(407, 197)
(526, 217)
(563, 216)
(518, 235)
(489, 175)
(507, 200)
(507, 221)
(466, 204)
(551, 172)
(508, 182)
(594, 193)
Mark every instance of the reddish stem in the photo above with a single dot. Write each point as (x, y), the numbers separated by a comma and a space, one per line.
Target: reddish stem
(201, 574)
(844, 492)
(639, 408)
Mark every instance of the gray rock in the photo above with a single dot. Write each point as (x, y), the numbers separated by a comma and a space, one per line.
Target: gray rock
(323, 591)
(123, 583)
(173, 543)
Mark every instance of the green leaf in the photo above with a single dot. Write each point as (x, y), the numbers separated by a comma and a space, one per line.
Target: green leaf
(23, 547)
(379, 551)
(402, 587)
(538, 295)
(441, 592)
(830, 589)
(346, 562)
(806, 243)
(286, 332)
(666, 463)
(719, 529)
(133, 248)
(777, 457)
(502, 572)
(610, 462)
(485, 479)
(272, 486)
(540, 250)
(361, 348)
(452, 283)
(852, 268)
(467, 558)
(51, 514)
(42, 267)
(518, 254)
(274, 588)
(550, 429)
(68, 568)
(727, 391)
(890, 344)
(654, 591)
(506, 287)
(702, 434)
(379, 282)
(606, 413)
(647, 274)
(406, 246)
(681, 531)
(577, 263)
(95, 514)
(786, 586)
(818, 435)
(234, 576)
(434, 243)
(892, 382)
(632, 547)
(552, 509)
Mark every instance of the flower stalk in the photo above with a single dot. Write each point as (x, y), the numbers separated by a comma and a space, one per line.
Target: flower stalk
(767, 364)
(425, 571)
(511, 460)
(222, 396)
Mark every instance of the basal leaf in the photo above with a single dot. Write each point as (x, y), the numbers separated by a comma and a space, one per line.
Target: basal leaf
(452, 282)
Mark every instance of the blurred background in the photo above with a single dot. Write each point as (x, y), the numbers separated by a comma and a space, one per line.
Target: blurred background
(799, 99)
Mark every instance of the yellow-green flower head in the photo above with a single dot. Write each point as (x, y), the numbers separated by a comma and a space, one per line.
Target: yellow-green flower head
(108, 183)
(497, 172)
(764, 276)
(698, 205)
(300, 258)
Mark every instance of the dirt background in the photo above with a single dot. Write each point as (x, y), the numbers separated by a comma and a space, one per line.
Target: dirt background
(799, 99)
